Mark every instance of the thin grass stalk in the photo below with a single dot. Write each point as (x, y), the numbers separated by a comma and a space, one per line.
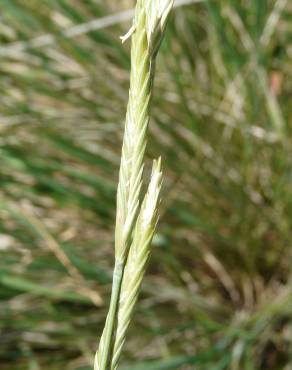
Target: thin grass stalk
(147, 32)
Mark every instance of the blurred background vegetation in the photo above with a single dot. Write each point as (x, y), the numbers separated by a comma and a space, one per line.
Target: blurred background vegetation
(217, 294)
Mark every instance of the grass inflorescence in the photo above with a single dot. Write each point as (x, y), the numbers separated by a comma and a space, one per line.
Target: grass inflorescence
(131, 253)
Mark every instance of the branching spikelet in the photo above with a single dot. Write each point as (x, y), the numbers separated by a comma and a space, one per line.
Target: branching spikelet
(137, 260)
(146, 32)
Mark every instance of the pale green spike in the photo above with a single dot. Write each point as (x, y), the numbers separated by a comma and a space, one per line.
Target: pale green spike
(146, 34)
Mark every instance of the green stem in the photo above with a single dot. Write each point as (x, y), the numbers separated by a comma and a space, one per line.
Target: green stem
(105, 356)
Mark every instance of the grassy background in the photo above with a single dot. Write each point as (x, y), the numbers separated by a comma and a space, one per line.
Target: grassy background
(217, 294)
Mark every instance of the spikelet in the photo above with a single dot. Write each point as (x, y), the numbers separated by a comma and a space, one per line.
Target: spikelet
(147, 33)
(137, 260)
